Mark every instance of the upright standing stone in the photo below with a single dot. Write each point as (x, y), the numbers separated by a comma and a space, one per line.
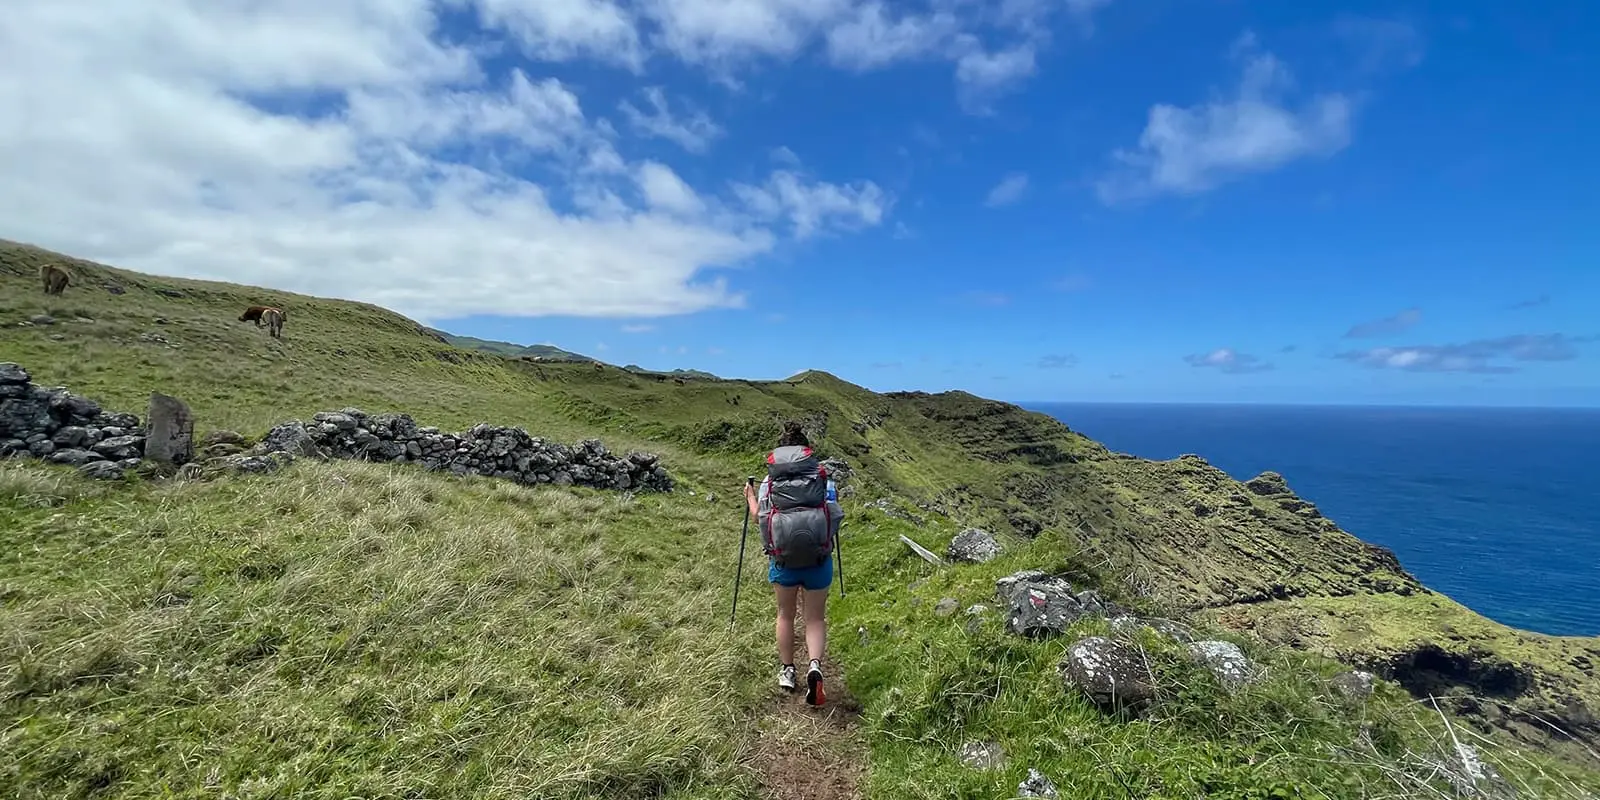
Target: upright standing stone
(171, 439)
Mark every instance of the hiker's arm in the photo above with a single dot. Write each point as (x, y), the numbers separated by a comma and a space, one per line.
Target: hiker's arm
(750, 498)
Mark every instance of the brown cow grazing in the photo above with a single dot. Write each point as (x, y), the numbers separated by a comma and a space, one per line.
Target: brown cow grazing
(274, 319)
(55, 278)
(254, 313)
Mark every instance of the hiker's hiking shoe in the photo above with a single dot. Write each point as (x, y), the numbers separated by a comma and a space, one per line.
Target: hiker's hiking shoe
(786, 677)
(814, 695)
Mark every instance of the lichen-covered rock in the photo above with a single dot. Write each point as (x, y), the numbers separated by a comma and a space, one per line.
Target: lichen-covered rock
(70, 406)
(251, 464)
(1003, 586)
(74, 457)
(75, 436)
(973, 546)
(946, 607)
(1129, 625)
(1041, 605)
(1037, 785)
(120, 447)
(1355, 685)
(1226, 661)
(289, 437)
(219, 450)
(223, 437)
(840, 472)
(983, 755)
(171, 439)
(1112, 674)
(102, 470)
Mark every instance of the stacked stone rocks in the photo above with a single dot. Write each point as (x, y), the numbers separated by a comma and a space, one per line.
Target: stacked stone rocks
(58, 426)
(489, 450)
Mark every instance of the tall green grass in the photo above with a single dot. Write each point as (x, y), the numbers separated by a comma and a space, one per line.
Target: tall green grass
(345, 629)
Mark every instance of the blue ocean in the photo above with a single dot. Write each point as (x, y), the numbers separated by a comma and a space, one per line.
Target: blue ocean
(1498, 508)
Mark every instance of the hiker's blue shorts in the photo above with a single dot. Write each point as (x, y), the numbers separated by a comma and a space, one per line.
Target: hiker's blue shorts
(814, 578)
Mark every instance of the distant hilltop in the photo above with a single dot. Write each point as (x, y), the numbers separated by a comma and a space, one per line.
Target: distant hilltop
(543, 352)
(546, 352)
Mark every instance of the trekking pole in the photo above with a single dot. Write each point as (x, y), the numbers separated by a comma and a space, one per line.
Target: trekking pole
(743, 533)
(838, 554)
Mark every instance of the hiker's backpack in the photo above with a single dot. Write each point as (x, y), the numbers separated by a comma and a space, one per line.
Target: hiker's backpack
(798, 531)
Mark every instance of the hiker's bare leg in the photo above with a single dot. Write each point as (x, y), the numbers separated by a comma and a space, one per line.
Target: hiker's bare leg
(816, 623)
(786, 602)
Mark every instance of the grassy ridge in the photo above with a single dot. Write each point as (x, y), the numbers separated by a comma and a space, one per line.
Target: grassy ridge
(415, 633)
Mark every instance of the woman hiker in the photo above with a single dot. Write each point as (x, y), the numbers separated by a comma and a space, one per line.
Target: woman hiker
(799, 540)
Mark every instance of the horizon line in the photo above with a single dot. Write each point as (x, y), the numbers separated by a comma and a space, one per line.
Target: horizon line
(1310, 404)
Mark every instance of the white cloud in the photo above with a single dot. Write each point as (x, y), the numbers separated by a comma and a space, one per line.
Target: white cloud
(564, 29)
(868, 38)
(1190, 150)
(992, 45)
(1228, 360)
(693, 133)
(1008, 191)
(341, 149)
(982, 75)
(809, 207)
(638, 328)
(664, 190)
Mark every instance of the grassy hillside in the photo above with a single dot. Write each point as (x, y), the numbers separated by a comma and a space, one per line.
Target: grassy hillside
(348, 629)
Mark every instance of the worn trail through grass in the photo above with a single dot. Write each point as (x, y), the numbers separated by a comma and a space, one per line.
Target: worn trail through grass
(807, 753)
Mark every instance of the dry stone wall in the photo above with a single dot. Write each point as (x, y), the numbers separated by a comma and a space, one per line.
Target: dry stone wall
(491, 450)
(58, 426)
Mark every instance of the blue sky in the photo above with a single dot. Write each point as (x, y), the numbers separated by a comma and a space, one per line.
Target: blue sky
(1033, 200)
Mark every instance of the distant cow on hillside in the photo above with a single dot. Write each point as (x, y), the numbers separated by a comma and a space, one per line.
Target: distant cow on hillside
(55, 279)
(255, 312)
(274, 319)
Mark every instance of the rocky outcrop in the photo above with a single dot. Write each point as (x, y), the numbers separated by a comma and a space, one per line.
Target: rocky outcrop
(1112, 674)
(1041, 605)
(488, 450)
(1226, 661)
(983, 755)
(1037, 785)
(1267, 484)
(55, 425)
(1355, 685)
(973, 546)
(1128, 626)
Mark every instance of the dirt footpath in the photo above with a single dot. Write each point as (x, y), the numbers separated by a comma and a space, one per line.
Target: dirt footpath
(807, 753)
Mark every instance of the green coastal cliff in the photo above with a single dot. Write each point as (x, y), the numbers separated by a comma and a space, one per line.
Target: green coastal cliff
(338, 628)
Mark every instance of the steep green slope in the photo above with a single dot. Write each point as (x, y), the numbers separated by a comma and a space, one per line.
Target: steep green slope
(1168, 536)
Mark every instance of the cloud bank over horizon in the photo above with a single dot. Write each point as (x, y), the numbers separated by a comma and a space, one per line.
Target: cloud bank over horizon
(213, 141)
